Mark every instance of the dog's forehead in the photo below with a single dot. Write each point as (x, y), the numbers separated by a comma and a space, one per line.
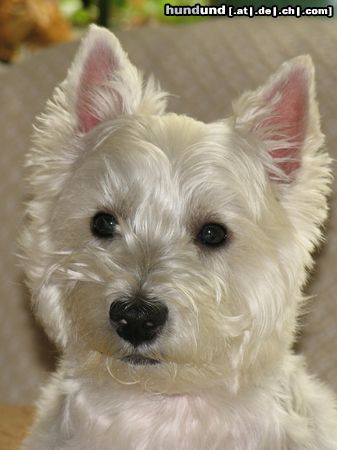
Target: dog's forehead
(171, 160)
(168, 145)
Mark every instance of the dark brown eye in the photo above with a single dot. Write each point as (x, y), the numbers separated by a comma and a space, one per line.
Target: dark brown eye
(213, 235)
(103, 225)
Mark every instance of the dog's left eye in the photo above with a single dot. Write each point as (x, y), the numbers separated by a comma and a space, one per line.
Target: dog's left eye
(103, 225)
(213, 234)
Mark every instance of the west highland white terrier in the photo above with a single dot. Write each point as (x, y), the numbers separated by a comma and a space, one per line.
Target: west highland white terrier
(166, 258)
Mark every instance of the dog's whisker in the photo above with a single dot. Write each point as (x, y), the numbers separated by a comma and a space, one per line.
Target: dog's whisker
(121, 381)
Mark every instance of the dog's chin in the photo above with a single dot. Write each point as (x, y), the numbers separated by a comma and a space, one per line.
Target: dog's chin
(139, 360)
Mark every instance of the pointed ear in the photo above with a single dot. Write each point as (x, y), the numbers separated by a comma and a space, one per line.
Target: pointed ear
(103, 82)
(284, 115)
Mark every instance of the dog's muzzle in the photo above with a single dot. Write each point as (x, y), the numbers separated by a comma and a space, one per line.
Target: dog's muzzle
(138, 322)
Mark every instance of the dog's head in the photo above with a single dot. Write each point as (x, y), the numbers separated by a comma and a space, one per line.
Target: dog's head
(163, 250)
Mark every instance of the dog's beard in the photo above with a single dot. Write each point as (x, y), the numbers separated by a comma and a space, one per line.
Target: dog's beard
(161, 367)
(149, 375)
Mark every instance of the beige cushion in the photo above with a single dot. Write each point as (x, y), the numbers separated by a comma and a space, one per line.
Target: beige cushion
(206, 65)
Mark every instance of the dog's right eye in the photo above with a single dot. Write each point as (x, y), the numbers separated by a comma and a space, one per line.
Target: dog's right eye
(213, 235)
(103, 225)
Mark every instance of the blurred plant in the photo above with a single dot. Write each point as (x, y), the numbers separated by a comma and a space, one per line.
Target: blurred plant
(79, 13)
(125, 13)
(139, 12)
(279, 3)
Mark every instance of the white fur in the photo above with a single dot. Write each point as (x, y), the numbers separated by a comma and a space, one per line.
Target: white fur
(227, 377)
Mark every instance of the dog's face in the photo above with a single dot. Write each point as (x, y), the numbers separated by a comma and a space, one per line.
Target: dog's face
(166, 251)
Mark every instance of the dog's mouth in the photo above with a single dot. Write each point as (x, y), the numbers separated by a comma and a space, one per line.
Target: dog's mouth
(139, 360)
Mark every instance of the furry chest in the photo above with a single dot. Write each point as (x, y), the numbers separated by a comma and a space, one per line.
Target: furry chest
(180, 422)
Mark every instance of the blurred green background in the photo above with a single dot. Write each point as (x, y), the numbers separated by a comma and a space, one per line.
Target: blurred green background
(128, 13)
(124, 13)
(31, 24)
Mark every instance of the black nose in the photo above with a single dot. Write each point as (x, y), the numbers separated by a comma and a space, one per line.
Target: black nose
(138, 322)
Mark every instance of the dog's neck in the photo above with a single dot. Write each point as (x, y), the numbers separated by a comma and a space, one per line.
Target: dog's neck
(190, 417)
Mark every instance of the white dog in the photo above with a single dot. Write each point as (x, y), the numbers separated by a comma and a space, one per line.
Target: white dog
(166, 259)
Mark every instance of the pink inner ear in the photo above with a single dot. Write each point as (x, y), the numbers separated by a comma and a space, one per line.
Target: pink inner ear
(290, 118)
(100, 64)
